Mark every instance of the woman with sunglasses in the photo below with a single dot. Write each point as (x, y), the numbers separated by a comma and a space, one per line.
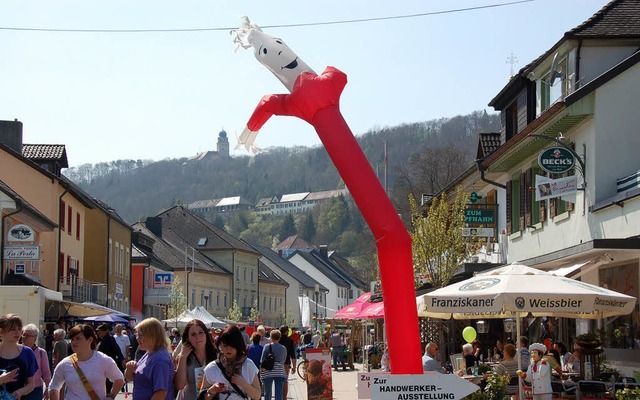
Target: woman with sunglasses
(14, 356)
(30, 333)
(85, 371)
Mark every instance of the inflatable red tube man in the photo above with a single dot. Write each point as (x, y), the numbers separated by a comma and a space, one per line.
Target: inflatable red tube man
(315, 98)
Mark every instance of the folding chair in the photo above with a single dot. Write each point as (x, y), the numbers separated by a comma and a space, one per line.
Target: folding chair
(557, 387)
(512, 386)
(593, 390)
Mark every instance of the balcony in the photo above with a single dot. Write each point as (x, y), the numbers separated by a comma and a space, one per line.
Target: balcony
(81, 290)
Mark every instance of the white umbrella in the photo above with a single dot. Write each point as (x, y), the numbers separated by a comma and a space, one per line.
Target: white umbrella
(516, 290)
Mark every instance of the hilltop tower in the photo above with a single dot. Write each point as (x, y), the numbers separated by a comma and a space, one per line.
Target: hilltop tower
(223, 144)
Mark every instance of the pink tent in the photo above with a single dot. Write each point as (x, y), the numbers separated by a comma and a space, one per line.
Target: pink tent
(352, 310)
(372, 310)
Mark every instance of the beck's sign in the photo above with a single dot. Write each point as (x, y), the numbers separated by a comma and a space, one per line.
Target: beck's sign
(556, 160)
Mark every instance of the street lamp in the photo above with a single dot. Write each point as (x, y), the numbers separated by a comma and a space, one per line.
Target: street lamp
(316, 291)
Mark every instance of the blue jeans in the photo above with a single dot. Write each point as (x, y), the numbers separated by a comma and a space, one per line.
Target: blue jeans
(338, 353)
(279, 381)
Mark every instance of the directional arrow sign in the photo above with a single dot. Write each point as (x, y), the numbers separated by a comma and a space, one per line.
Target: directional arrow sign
(429, 386)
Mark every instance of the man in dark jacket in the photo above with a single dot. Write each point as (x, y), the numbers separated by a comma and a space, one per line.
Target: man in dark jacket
(290, 361)
(107, 345)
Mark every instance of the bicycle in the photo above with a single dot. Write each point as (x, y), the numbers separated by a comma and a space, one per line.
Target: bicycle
(301, 369)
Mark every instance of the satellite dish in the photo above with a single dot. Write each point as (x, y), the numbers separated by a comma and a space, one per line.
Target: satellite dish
(554, 71)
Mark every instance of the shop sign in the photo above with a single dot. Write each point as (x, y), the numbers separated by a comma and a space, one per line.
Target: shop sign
(556, 160)
(21, 233)
(479, 216)
(430, 385)
(119, 290)
(474, 198)
(20, 269)
(31, 253)
(162, 279)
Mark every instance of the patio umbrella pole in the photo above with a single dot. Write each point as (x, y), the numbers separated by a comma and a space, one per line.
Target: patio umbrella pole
(520, 394)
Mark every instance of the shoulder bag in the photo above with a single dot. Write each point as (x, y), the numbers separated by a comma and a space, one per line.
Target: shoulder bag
(4, 393)
(92, 394)
(228, 378)
(269, 360)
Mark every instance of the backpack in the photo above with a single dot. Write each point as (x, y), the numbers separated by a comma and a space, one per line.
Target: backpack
(269, 360)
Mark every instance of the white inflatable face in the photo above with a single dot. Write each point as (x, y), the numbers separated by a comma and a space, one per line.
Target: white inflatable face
(274, 54)
(271, 52)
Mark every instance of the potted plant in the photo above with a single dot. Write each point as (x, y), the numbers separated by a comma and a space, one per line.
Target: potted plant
(628, 394)
(496, 387)
(589, 340)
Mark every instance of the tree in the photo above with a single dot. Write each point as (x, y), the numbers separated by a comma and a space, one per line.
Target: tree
(438, 245)
(218, 221)
(253, 314)
(307, 227)
(177, 300)
(288, 227)
(234, 312)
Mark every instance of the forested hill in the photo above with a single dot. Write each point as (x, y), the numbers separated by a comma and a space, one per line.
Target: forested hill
(137, 189)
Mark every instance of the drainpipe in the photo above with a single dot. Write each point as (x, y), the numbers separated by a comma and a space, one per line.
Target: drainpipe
(60, 223)
(2, 241)
(484, 179)
(233, 276)
(108, 257)
(578, 52)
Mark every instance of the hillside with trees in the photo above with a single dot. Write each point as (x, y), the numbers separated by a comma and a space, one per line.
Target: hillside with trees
(422, 157)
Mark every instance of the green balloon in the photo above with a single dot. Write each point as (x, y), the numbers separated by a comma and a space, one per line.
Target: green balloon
(469, 334)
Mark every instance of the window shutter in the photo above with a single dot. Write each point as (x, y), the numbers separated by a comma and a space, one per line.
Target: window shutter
(523, 200)
(508, 207)
(528, 197)
(543, 210)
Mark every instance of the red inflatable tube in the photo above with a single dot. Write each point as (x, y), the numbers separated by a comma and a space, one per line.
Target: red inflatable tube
(315, 98)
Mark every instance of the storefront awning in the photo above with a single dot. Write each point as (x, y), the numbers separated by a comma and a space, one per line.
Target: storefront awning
(569, 269)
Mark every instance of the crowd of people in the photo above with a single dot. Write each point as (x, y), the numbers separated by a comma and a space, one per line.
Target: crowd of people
(195, 364)
(538, 362)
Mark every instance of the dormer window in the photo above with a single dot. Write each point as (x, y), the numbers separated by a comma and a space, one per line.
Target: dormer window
(202, 241)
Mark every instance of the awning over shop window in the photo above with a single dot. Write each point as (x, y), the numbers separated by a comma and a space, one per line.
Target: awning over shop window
(570, 269)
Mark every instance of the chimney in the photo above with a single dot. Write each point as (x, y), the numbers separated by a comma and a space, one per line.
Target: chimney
(324, 253)
(11, 135)
(154, 224)
(280, 252)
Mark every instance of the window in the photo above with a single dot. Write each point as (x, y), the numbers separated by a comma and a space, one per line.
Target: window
(218, 299)
(193, 296)
(77, 226)
(225, 300)
(110, 256)
(244, 273)
(252, 280)
(513, 204)
(69, 219)
(127, 264)
(202, 241)
(264, 303)
(63, 213)
(121, 260)
(237, 274)
(61, 265)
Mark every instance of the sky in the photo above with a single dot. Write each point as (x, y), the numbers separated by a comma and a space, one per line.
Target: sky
(157, 95)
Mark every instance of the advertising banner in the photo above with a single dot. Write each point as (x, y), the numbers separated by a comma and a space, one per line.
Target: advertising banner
(547, 188)
(429, 386)
(319, 382)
